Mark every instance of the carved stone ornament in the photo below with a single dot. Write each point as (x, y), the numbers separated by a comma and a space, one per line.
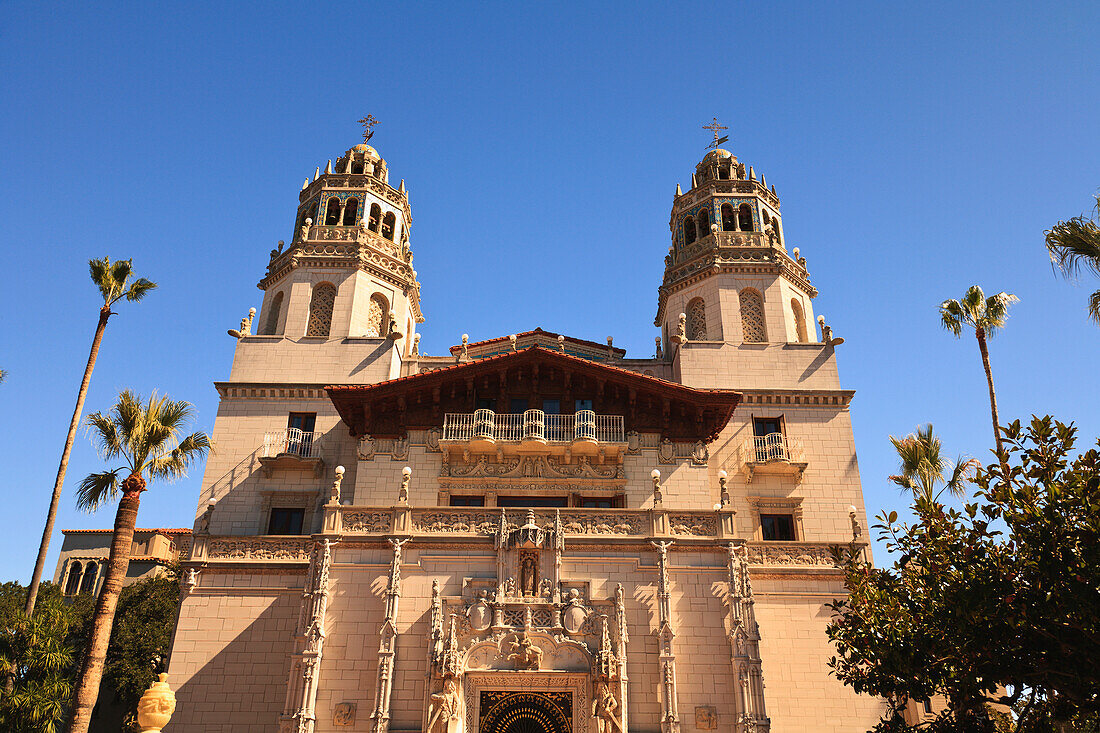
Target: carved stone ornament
(368, 522)
(523, 654)
(253, 548)
(633, 442)
(366, 448)
(666, 451)
(434, 435)
(706, 717)
(343, 714)
(700, 454)
(480, 614)
(572, 619)
(532, 467)
(156, 706)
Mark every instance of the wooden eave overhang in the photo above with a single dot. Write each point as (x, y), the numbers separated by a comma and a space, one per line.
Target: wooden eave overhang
(647, 404)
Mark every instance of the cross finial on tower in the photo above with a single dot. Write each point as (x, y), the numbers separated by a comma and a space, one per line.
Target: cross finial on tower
(715, 127)
(368, 123)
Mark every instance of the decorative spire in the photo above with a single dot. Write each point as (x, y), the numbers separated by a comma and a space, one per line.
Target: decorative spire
(715, 127)
(678, 191)
(368, 124)
(328, 168)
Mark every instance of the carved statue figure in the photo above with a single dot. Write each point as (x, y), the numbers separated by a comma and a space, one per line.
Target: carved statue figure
(344, 714)
(605, 709)
(510, 588)
(443, 707)
(575, 613)
(528, 574)
(524, 654)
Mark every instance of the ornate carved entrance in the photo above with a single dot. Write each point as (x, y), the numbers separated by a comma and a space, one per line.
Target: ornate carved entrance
(525, 712)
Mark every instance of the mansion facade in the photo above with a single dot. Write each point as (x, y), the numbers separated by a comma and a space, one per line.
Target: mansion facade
(532, 532)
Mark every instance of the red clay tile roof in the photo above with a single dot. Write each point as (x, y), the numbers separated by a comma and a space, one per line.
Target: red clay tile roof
(457, 349)
(160, 530)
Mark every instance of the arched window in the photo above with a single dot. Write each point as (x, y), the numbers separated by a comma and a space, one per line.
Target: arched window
(311, 213)
(320, 309)
(697, 320)
(375, 217)
(388, 223)
(704, 222)
(91, 574)
(723, 173)
(356, 167)
(72, 585)
(744, 217)
(689, 230)
(332, 212)
(799, 321)
(729, 218)
(752, 316)
(351, 212)
(377, 311)
(271, 324)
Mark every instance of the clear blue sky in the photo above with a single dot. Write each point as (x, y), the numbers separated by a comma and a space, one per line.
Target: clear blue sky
(917, 149)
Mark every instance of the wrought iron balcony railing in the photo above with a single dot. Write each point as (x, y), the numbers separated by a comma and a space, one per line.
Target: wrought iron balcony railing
(534, 425)
(291, 441)
(775, 447)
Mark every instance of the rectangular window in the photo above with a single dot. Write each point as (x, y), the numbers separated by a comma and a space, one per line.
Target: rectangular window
(551, 407)
(762, 426)
(286, 521)
(779, 527)
(583, 405)
(600, 502)
(486, 403)
(517, 406)
(927, 707)
(533, 501)
(467, 500)
(300, 433)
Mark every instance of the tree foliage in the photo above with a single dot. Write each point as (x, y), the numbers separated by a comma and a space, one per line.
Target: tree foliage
(996, 603)
(1074, 245)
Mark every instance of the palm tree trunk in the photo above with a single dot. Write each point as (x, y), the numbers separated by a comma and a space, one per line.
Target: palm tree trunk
(91, 669)
(44, 546)
(984, 348)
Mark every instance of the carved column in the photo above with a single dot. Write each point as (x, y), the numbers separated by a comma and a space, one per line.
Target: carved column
(306, 668)
(670, 718)
(502, 549)
(744, 637)
(623, 637)
(387, 645)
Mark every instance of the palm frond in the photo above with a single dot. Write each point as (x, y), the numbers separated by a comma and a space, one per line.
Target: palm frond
(97, 489)
(996, 311)
(174, 463)
(1094, 306)
(139, 288)
(129, 418)
(100, 271)
(952, 316)
(106, 434)
(961, 472)
(1074, 244)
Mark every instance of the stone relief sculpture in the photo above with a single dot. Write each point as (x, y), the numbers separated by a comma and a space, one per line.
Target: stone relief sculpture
(524, 654)
(605, 709)
(443, 707)
(480, 614)
(573, 617)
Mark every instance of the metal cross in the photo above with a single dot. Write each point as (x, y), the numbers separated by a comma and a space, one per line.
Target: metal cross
(714, 127)
(369, 122)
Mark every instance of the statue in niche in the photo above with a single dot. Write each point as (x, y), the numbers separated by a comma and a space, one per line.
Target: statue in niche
(575, 613)
(605, 709)
(529, 575)
(443, 707)
(510, 588)
(480, 614)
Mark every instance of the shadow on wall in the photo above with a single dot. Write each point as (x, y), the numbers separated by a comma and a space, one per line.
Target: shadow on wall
(379, 351)
(241, 688)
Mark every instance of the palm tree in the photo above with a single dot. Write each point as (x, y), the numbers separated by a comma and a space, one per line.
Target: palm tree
(113, 281)
(1075, 244)
(923, 466)
(985, 316)
(148, 438)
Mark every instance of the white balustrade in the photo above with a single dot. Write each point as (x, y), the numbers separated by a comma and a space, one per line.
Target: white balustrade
(775, 447)
(534, 425)
(291, 441)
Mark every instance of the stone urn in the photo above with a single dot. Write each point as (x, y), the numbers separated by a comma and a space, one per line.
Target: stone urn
(156, 706)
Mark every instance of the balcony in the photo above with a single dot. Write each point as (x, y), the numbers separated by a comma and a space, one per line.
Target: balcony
(774, 454)
(485, 429)
(291, 448)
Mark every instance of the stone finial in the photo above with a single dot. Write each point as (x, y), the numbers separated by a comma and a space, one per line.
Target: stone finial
(827, 333)
(334, 495)
(764, 181)
(403, 492)
(679, 192)
(305, 184)
(681, 330)
(752, 174)
(156, 706)
(512, 341)
(660, 352)
(328, 168)
(317, 173)
(796, 253)
(401, 188)
(693, 181)
(416, 345)
(246, 326)
(723, 477)
(656, 476)
(561, 344)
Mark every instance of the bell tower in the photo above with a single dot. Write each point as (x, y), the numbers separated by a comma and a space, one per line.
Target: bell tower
(347, 272)
(728, 270)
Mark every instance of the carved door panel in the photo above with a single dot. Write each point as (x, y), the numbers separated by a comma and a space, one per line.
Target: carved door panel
(526, 712)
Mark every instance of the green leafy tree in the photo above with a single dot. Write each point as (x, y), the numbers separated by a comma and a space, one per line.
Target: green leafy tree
(985, 316)
(113, 281)
(148, 438)
(38, 657)
(982, 616)
(924, 467)
(1075, 244)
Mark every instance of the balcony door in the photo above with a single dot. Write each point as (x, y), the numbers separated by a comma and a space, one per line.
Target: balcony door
(299, 433)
